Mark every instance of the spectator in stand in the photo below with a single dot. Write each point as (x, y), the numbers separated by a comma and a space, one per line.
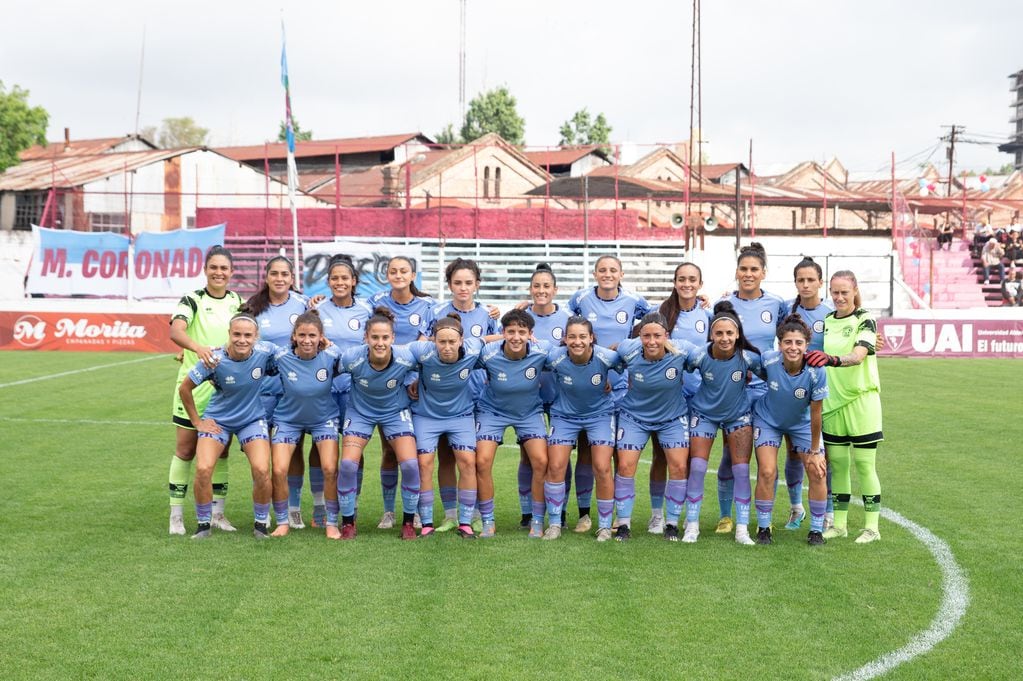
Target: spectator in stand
(945, 236)
(980, 237)
(1012, 288)
(1014, 248)
(991, 259)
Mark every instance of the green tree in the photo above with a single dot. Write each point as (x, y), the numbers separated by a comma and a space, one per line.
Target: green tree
(447, 135)
(180, 132)
(493, 111)
(21, 125)
(581, 130)
(300, 134)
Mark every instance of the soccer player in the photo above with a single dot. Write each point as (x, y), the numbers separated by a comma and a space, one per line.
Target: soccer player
(852, 409)
(653, 405)
(613, 311)
(444, 408)
(463, 278)
(809, 279)
(235, 372)
(275, 306)
(306, 372)
(511, 399)
(379, 370)
(758, 311)
(199, 325)
(790, 408)
(411, 309)
(688, 320)
(721, 402)
(582, 404)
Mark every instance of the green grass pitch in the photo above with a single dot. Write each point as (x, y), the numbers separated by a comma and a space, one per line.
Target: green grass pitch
(91, 585)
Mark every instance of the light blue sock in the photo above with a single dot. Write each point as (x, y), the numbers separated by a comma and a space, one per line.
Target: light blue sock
(389, 487)
(625, 496)
(333, 509)
(347, 486)
(204, 513)
(694, 492)
(726, 483)
(448, 499)
(294, 492)
(554, 493)
(743, 492)
(794, 481)
(426, 507)
(487, 510)
(409, 485)
(261, 512)
(675, 494)
(466, 505)
(316, 484)
(281, 511)
(657, 488)
(765, 509)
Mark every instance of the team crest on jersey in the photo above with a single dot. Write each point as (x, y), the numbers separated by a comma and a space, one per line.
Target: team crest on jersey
(476, 330)
(596, 379)
(621, 316)
(766, 317)
(392, 384)
(531, 373)
(847, 331)
(292, 319)
(818, 326)
(736, 376)
(257, 373)
(671, 373)
(800, 393)
(354, 324)
(557, 333)
(464, 373)
(701, 326)
(321, 375)
(414, 319)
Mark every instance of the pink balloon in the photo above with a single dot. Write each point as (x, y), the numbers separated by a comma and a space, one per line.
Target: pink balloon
(983, 179)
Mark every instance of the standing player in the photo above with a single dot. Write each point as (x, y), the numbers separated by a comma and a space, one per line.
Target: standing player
(612, 310)
(758, 311)
(852, 410)
(688, 321)
(306, 370)
(722, 403)
(234, 409)
(653, 405)
(477, 321)
(445, 409)
(511, 399)
(378, 399)
(276, 306)
(582, 404)
(199, 325)
(790, 408)
(411, 309)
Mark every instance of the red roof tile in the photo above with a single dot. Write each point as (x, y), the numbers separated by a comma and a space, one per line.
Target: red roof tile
(344, 145)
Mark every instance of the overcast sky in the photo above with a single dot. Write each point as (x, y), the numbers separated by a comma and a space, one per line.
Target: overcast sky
(804, 80)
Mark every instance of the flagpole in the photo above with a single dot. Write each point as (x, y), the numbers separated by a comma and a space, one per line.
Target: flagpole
(292, 168)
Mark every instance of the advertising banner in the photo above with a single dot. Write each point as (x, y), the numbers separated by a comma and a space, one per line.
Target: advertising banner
(370, 263)
(992, 338)
(70, 263)
(85, 331)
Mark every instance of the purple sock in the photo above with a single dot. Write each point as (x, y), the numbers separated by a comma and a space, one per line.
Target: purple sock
(538, 508)
(726, 482)
(426, 507)
(486, 509)
(657, 488)
(765, 509)
(817, 510)
(466, 505)
(333, 509)
(347, 486)
(694, 493)
(204, 512)
(295, 491)
(625, 496)
(261, 512)
(605, 509)
(281, 511)
(448, 498)
(525, 488)
(583, 484)
(743, 493)
(316, 484)
(409, 485)
(794, 481)
(389, 487)
(675, 494)
(554, 494)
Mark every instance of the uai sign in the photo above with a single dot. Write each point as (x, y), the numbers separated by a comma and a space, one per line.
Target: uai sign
(952, 338)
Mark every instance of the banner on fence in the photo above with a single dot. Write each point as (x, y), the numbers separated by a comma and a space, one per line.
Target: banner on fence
(370, 263)
(70, 263)
(992, 338)
(85, 331)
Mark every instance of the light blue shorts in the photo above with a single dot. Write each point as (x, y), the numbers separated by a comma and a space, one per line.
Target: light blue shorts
(269, 404)
(398, 424)
(633, 434)
(290, 433)
(769, 436)
(460, 431)
(703, 426)
(491, 427)
(257, 430)
(600, 430)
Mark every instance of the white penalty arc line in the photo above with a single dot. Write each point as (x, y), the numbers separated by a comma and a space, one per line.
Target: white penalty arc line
(79, 371)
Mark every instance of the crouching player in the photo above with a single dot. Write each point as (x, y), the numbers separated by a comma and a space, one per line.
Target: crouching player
(234, 409)
(306, 372)
(790, 407)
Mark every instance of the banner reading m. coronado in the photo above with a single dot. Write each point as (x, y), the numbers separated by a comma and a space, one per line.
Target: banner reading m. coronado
(65, 262)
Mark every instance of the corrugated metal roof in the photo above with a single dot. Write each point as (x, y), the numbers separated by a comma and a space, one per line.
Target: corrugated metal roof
(560, 157)
(69, 171)
(76, 147)
(343, 145)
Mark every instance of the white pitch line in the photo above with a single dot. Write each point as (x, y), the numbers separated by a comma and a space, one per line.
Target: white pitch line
(78, 371)
(955, 598)
(99, 422)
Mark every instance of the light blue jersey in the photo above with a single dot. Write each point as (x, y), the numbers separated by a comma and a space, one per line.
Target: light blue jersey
(411, 320)
(476, 323)
(236, 384)
(722, 396)
(277, 321)
(655, 387)
(581, 387)
(759, 317)
(345, 327)
(692, 326)
(513, 385)
(786, 404)
(612, 320)
(445, 390)
(814, 318)
(306, 401)
(378, 394)
(550, 328)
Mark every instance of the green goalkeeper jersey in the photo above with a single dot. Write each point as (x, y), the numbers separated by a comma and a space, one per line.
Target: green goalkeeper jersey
(208, 319)
(841, 335)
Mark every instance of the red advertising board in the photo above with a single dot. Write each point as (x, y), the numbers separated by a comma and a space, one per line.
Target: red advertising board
(992, 338)
(85, 331)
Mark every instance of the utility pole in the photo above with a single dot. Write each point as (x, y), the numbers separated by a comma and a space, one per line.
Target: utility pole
(951, 139)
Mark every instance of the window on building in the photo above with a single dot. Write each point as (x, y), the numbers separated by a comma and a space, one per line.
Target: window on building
(486, 182)
(28, 209)
(107, 222)
(497, 182)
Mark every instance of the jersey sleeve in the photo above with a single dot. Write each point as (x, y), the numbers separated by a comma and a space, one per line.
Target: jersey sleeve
(186, 309)
(573, 303)
(819, 384)
(200, 372)
(628, 348)
(866, 333)
(643, 306)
